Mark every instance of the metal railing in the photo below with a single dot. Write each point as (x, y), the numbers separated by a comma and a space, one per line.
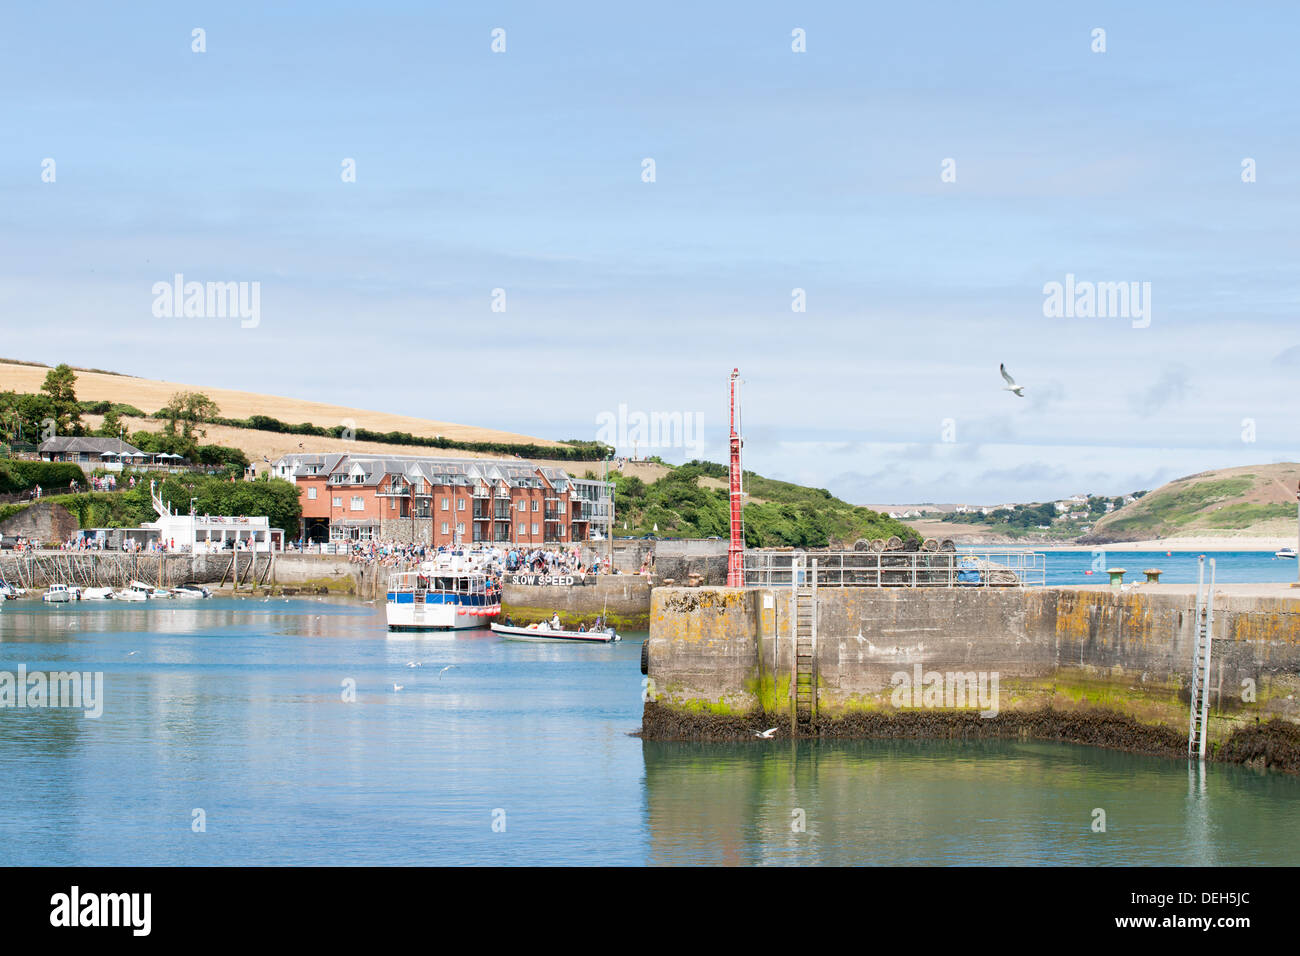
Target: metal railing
(897, 569)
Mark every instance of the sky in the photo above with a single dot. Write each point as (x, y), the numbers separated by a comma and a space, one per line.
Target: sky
(865, 228)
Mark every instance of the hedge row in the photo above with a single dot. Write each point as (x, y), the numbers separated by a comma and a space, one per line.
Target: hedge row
(16, 476)
(575, 451)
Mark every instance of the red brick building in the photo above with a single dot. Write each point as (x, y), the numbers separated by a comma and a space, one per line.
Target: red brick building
(438, 501)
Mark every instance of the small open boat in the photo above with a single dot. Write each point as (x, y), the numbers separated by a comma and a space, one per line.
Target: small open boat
(136, 592)
(544, 632)
(193, 591)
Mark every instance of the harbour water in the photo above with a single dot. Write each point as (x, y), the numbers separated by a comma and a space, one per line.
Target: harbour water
(495, 752)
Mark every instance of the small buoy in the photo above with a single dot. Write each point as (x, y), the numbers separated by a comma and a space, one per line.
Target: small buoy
(1087, 572)
(1169, 554)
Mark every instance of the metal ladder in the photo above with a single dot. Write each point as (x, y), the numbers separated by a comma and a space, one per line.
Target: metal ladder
(803, 683)
(1204, 639)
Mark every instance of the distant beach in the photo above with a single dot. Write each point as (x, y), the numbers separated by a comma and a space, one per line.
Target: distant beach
(1197, 545)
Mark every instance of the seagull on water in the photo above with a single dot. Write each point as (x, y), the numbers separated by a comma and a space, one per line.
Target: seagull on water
(766, 734)
(1011, 385)
(415, 663)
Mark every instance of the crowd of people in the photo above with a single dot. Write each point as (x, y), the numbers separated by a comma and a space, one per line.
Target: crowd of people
(107, 482)
(510, 560)
(389, 553)
(83, 543)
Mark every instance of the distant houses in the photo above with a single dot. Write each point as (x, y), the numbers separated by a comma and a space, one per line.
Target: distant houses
(110, 454)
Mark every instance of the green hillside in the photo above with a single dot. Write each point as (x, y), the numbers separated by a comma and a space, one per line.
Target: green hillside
(787, 515)
(1253, 500)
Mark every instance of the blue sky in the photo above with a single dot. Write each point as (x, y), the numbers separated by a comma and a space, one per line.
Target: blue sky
(775, 170)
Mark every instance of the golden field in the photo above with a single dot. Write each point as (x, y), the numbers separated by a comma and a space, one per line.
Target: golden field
(149, 395)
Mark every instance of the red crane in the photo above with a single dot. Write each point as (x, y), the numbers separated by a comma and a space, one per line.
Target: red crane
(736, 550)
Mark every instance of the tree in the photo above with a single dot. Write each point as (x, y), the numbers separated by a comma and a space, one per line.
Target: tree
(111, 426)
(60, 385)
(189, 409)
(33, 412)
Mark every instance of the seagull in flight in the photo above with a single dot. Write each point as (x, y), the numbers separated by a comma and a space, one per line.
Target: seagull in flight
(397, 687)
(1011, 385)
(444, 670)
(766, 734)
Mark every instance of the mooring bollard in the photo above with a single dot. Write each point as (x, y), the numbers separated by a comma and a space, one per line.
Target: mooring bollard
(1116, 577)
(1153, 575)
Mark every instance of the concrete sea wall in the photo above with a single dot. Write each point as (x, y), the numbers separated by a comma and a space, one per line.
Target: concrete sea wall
(1117, 666)
(117, 569)
(624, 599)
(679, 560)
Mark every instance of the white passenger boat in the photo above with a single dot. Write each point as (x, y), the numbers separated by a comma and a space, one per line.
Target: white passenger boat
(544, 632)
(1285, 553)
(58, 594)
(458, 590)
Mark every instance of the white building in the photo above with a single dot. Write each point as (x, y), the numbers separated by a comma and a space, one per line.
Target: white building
(212, 533)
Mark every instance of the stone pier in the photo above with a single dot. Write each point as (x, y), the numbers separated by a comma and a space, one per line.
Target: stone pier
(887, 661)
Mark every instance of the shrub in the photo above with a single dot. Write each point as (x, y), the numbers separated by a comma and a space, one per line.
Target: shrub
(18, 476)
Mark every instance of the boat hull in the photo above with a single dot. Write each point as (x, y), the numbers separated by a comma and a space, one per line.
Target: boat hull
(439, 617)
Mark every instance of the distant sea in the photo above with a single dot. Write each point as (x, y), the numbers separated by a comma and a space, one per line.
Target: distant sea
(1178, 567)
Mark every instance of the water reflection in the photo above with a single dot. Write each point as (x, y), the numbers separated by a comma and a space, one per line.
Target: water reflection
(955, 803)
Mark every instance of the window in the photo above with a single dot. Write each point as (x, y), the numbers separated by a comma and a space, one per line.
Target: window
(446, 504)
(534, 529)
(311, 494)
(338, 501)
(523, 529)
(535, 503)
(460, 528)
(460, 504)
(561, 507)
(523, 506)
(358, 503)
(444, 527)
